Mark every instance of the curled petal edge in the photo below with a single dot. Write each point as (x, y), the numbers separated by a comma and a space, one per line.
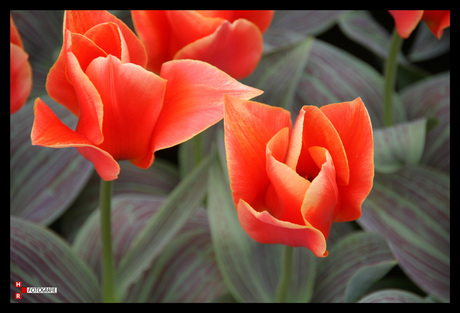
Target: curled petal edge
(321, 198)
(264, 228)
(49, 131)
(194, 100)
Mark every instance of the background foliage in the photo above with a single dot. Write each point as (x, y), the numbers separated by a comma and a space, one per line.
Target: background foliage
(176, 233)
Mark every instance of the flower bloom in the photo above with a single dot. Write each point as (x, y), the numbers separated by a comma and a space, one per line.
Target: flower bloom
(407, 20)
(289, 184)
(20, 71)
(124, 111)
(229, 40)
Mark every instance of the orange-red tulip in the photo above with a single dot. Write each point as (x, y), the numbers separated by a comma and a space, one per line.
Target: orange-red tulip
(229, 40)
(20, 71)
(289, 184)
(407, 20)
(125, 111)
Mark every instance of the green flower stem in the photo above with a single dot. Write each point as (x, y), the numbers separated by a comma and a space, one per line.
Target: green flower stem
(285, 275)
(107, 263)
(391, 68)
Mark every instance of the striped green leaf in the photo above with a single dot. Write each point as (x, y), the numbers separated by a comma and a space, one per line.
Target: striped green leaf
(182, 203)
(278, 74)
(430, 98)
(354, 263)
(184, 271)
(411, 208)
(39, 258)
(392, 296)
(399, 145)
(130, 212)
(194, 150)
(291, 26)
(44, 181)
(426, 46)
(160, 179)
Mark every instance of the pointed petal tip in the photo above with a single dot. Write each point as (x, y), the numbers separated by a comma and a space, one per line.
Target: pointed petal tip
(49, 131)
(195, 93)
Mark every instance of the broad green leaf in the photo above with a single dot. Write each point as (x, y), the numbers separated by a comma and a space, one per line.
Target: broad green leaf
(430, 98)
(43, 181)
(411, 208)
(194, 150)
(160, 179)
(180, 206)
(399, 145)
(130, 213)
(186, 270)
(278, 74)
(251, 270)
(352, 266)
(291, 26)
(426, 46)
(39, 258)
(392, 296)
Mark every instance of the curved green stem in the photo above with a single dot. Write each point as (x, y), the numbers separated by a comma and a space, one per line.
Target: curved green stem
(285, 275)
(107, 262)
(391, 68)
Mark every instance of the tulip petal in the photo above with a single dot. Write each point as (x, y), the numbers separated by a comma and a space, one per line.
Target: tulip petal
(128, 120)
(49, 131)
(319, 131)
(352, 122)
(108, 37)
(166, 32)
(85, 50)
(234, 48)
(15, 37)
(322, 195)
(295, 144)
(437, 21)
(58, 86)
(81, 21)
(20, 78)
(106, 166)
(285, 195)
(406, 21)
(154, 29)
(262, 18)
(249, 126)
(264, 228)
(194, 100)
(189, 25)
(91, 107)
